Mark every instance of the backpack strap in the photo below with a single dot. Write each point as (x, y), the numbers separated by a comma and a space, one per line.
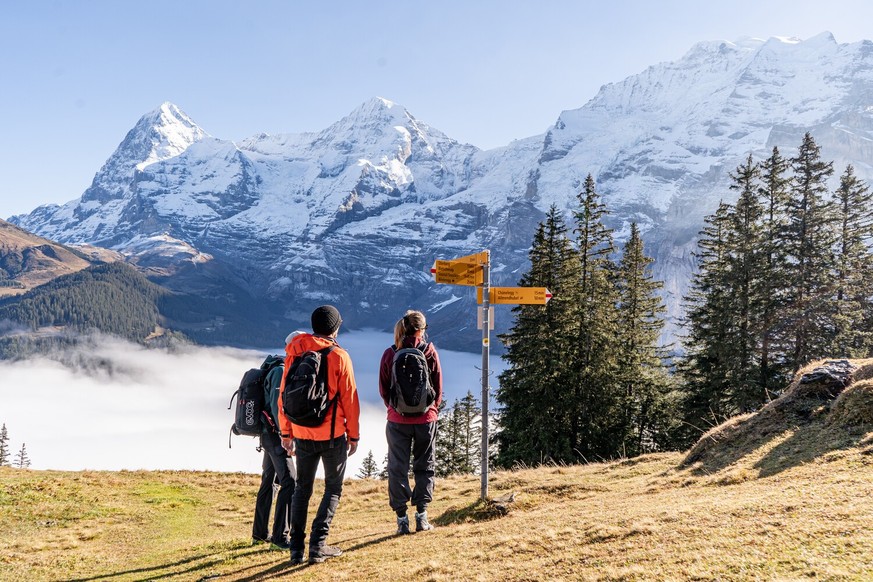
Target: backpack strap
(335, 401)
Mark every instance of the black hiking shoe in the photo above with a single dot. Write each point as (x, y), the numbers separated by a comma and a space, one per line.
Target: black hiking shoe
(296, 557)
(279, 545)
(421, 522)
(403, 525)
(317, 556)
(257, 540)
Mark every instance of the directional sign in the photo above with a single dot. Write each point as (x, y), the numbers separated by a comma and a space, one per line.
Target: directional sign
(478, 258)
(517, 295)
(457, 272)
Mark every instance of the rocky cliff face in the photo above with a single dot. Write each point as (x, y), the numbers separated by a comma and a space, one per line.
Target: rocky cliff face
(357, 213)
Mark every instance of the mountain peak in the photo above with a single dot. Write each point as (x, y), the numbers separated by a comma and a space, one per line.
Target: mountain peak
(160, 134)
(168, 131)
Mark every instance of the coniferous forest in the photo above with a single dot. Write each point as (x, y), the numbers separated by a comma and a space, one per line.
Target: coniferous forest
(780, 282)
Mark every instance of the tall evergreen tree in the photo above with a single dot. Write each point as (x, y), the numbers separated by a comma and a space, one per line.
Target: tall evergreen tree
(4, 447)
(810, 241)
(369, 469)
(746, 261)
(641, 373)
(773, 196)
(593, 391)
(22, 461)
(705, 366)
(853, 337)
(532, 392)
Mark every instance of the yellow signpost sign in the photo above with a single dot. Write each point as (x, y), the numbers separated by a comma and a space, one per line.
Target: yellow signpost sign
(516, 295)
(478, 258)
(457, 272)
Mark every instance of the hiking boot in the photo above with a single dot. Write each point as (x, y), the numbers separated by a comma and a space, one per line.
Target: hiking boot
(296, 557)
(256, 541)
(403, 525)
(317, 556)
(421, 522)
(279, 545)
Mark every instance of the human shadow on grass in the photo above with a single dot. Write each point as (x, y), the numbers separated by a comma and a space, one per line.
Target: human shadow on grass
(272, 571)
(152, 572)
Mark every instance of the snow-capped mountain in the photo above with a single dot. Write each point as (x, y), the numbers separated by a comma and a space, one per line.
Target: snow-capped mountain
(357, 213)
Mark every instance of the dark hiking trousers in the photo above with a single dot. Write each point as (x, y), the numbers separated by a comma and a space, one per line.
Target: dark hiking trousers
(419, 441)
(277, 466)
(333, 459)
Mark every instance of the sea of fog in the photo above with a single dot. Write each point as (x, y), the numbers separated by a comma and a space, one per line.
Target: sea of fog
(121, 406)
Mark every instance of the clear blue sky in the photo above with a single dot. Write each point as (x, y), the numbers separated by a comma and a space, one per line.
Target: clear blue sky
(77, 75)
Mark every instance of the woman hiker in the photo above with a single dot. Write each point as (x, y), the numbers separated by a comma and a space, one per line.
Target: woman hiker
(411, 428)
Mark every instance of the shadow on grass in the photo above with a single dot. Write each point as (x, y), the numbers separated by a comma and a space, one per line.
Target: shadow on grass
(477, 511)
(801, 424)
(169, 570)
(274, 571)
(807, 445)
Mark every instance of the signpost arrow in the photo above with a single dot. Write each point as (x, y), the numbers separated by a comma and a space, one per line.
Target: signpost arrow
(517, 295)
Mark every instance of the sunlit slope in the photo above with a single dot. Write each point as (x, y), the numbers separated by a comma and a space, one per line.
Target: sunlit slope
(781, 495)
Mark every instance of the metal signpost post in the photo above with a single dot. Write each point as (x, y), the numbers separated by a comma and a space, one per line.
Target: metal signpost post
(475, 271)
(486, 340)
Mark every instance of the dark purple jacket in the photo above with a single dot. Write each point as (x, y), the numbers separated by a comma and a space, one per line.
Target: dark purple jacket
(436, 380)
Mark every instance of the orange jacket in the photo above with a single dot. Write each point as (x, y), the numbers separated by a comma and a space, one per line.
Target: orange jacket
(340, 377)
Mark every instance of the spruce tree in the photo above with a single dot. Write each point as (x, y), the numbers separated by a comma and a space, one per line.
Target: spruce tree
(468, 413)
(593, 393)
(706, 363)
(4, 447)
(369, 469)
(773, 196)
(448, 442)
(810, 241)
(746, 262)
(533, 391)
(22, 461)
(853, 337)
(641, 373)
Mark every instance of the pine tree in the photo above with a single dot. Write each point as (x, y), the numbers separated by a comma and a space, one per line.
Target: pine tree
(810, 240)
(773, 196)
(4, 446)
(746, 262)
(593, 391)
(22, 461)
(533, 388)
(641, 372)
(853, 337)
(369, 469)
(468, 415)
(448, 441)
(705, 366)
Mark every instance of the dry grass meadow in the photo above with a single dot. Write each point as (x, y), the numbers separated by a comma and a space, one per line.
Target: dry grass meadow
(785, 494)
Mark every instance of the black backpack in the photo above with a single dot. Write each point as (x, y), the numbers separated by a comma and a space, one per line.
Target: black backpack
(411, 392)
(251, 416)
(305, 399)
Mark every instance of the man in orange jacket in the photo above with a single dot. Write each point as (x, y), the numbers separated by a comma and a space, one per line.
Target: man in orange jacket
(332, 442)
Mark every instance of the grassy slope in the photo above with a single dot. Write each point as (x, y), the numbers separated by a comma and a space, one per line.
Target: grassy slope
(794, 502)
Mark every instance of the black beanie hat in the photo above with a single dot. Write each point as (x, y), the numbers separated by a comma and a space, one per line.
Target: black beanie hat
(325, 320)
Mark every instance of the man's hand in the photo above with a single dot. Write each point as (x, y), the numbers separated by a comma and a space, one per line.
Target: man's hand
(288, 445)
(353, 446)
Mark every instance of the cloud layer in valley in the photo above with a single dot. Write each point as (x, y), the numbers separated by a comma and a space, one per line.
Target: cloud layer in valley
(112, 405)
